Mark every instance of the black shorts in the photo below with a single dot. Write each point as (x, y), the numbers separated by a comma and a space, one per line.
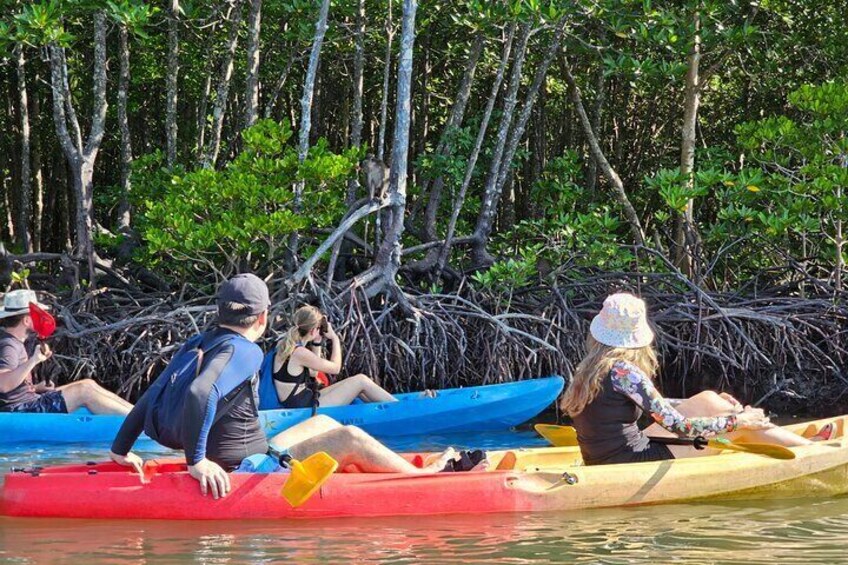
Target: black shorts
(51, 402)
(654, 452)
(302, 399)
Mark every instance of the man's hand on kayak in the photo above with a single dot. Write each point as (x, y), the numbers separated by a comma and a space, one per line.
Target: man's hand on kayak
(211, 477)
(129, 460)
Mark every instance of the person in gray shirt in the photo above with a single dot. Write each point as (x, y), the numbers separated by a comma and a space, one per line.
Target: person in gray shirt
(20, 355)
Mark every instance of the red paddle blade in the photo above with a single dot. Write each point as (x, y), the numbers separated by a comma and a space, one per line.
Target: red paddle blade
(322, 378)
(42, 322)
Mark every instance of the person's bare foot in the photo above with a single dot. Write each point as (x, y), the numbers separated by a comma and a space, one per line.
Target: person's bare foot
(427, 393)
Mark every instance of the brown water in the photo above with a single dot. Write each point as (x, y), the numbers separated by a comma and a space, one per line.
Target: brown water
(800, 531)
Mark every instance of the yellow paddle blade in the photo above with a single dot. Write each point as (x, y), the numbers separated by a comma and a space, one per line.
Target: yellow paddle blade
(559, 436)
(767, 449)
(307, 476)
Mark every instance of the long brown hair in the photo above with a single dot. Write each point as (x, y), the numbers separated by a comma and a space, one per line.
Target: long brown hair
(305, 319)
(586, 382)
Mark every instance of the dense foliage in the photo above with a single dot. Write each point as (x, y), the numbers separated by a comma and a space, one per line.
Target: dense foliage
(765, 184)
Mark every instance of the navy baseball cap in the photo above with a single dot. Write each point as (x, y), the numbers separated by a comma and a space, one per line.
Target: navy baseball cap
(242, 296)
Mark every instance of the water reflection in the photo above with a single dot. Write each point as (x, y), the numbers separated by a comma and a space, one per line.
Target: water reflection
(809, 532)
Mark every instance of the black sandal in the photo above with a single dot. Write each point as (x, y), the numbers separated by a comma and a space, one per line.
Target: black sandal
(467, 461)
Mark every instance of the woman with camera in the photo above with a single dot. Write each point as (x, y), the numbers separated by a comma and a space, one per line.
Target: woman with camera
(298, 361)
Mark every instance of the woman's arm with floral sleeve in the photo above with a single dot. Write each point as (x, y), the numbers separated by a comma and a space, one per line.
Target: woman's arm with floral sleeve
(630, 381)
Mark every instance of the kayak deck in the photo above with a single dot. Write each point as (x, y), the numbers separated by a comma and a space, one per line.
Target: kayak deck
(546, 479)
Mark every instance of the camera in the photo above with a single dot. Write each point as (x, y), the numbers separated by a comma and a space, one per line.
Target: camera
(322, 327)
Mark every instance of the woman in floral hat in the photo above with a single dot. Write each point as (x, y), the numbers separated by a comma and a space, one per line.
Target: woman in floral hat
(612, 386)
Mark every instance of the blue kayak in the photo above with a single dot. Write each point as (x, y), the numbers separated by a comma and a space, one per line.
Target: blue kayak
(480, 408)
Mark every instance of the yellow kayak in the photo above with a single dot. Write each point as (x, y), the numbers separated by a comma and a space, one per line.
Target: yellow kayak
(560, 480)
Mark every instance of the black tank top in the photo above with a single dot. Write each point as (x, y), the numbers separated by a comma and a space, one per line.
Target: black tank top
(283, 375)
(607, 426)
(300, 381)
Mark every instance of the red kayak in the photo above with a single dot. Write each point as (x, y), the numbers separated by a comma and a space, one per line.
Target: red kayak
(108, 490)
(523, 480)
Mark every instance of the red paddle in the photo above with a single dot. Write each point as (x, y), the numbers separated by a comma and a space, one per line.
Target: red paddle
(42, 322)
(322, 378)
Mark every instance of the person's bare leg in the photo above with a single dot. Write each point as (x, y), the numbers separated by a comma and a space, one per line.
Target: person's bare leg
(94, 397)
(99, 390)
(710, 404)
(304, 430)
(345, 391)
(350, 445)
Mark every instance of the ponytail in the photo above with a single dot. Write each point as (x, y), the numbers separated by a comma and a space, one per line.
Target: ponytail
(305, 319)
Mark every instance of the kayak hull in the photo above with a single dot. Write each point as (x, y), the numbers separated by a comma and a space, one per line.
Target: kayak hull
(481, 408)
(543, 479)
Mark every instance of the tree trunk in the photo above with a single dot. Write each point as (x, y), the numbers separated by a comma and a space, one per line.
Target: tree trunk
(23, 232)
(685, 236)
(387, 70)
(173, 73)
(204, 100)
(355, 133)
(278, 87)
(839, 242)
(81, 158)
(618, 187)
(222, 93)
(480, 255)
(12, 184)
(597, 116)
(475, 154)
(251, 91)
(124, 215)
(38, 177)
(488, 204)
(381, 277)
(444, 148)
(306, 114)
(358, 85)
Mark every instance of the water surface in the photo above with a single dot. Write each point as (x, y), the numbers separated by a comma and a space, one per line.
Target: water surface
(802, 531)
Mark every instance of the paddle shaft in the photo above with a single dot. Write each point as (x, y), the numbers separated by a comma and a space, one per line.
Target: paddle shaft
(698, 442)
(316, 394)
(563, 436)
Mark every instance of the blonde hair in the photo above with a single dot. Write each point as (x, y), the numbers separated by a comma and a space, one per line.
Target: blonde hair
(305, 319)
(596, 365)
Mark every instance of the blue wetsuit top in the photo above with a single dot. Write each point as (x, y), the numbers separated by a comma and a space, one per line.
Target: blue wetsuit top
(236, 434)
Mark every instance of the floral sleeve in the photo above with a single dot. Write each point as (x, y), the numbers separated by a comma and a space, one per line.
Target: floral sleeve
(630, 381)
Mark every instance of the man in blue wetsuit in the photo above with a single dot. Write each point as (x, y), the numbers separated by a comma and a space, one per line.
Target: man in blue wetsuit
(220, 422)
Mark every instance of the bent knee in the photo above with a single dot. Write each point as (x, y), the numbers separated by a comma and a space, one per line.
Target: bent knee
(712, 399)
(324, 420)
(355, 436)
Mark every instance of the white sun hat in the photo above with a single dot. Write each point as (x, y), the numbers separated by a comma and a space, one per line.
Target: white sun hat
(622, 322)
(17, 302)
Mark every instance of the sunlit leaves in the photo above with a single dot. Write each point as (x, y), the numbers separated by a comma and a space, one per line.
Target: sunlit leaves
(245, 210)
